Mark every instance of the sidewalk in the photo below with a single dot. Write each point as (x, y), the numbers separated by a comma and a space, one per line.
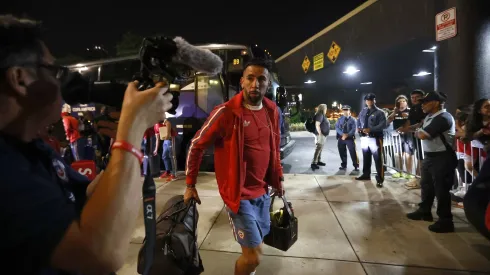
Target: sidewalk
(345, 227)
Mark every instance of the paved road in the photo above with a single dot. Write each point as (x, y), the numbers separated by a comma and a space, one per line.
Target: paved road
(299, 161)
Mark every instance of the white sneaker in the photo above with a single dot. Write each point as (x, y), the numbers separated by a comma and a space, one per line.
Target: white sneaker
(460, 193)
(459, 188)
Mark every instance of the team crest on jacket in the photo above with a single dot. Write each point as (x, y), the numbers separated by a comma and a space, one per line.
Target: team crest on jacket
(60, 169)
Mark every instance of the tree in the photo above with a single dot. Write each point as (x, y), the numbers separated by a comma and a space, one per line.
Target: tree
(129, 44)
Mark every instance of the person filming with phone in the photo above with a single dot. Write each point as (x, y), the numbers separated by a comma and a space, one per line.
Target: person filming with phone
(54, 220)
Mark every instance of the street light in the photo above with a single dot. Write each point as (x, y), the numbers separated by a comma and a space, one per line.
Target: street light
(300, 97)
(422, 73)
(351, 70)
(431, 50)
(334, 104)
(310, 81)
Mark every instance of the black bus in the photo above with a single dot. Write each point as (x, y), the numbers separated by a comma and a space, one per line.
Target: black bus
(200, 94)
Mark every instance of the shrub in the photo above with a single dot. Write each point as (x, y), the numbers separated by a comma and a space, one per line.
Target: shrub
(297, 127)
(300, 126)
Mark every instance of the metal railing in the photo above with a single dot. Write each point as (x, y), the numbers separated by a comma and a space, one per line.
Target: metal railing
(404, 154)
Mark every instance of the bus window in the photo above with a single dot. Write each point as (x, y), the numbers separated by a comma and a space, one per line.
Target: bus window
(209, 92)
(120, 71)
(237, 60)
(91, 73)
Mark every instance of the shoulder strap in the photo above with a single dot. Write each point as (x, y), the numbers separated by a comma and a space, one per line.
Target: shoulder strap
(149, 212)
(443, 139)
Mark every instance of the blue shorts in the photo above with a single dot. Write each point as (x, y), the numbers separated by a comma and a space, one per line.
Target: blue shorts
(252, 222)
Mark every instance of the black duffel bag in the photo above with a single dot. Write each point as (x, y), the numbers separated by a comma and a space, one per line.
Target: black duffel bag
(284, 226)
(176, 250)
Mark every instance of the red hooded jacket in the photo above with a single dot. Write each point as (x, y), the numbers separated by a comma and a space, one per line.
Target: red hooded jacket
(224, 128)
(71, 127)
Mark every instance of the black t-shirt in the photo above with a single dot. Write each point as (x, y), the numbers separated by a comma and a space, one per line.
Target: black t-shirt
(42, 196)
(416, 115)
(399, 119)
(324, 124)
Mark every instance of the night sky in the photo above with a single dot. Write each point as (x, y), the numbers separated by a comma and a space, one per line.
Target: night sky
(73, 26)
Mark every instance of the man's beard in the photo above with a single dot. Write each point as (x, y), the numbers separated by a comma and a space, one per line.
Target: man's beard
(255, 99)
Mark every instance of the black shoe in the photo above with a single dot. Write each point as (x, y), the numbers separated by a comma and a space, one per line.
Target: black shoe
(321, 163)
(364, 177)
(442, 227)
(314, 167)
(342, 168)
(379, 180)
(356, 169)
(379, 184)
(420, 216)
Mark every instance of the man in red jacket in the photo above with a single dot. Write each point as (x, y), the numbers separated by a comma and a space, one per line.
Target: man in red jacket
(246, 136)
(72, 133)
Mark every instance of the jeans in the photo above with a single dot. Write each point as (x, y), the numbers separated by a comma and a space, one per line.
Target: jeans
(167, 155)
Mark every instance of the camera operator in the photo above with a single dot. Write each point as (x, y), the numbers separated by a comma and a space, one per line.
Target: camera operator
(53, 220)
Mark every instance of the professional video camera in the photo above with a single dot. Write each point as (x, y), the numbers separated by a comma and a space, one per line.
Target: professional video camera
(163, 59)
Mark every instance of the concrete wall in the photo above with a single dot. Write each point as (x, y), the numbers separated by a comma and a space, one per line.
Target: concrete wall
(385, 41)
(377, 28)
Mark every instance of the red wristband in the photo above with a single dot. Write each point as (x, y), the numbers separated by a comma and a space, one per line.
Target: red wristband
(128, 147)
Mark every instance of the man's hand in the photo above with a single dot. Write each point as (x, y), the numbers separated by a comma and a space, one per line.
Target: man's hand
(345, 136)
(366, 130)
(155, 152)
(402, 129)
(141, 110)
(191, 193)
(279, 191)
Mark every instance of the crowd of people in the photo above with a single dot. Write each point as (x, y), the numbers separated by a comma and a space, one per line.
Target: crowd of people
(59, 222)
(440, 153)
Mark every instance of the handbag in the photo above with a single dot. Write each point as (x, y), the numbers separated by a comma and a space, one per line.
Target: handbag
(284, 226)
(449, 148)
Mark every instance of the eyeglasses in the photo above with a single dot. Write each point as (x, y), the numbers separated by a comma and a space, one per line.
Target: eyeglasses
(56, 71)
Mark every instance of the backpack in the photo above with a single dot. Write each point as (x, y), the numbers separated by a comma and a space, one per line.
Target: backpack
(176, 249)
(310, 125)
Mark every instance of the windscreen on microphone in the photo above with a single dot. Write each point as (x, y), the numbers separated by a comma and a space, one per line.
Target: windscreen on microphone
(201, 60)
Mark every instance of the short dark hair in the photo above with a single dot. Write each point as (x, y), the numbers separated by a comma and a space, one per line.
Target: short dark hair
(267, 64)
(464, 108)
(417, 92)
(20, 42)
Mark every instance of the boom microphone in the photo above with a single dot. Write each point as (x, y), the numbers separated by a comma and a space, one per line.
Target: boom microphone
(159, 56)
(201, 60)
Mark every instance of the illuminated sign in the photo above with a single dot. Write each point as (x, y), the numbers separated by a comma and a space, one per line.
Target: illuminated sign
(236, 61)
(318, 62)
(306, 64)
(83, 108)
(334, 52)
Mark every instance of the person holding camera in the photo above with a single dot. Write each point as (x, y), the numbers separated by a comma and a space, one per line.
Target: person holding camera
(246, 138)
(403, 142)
(54, 220)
